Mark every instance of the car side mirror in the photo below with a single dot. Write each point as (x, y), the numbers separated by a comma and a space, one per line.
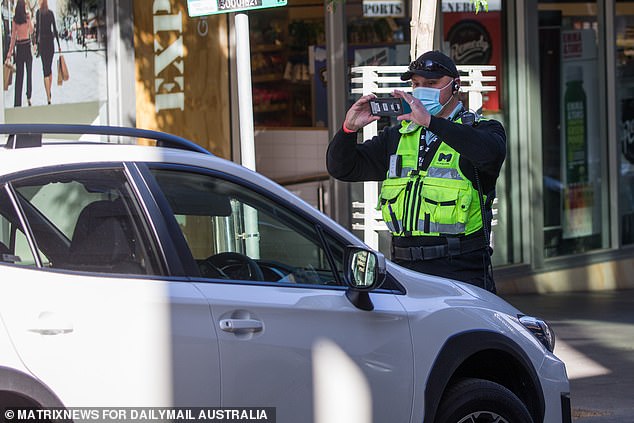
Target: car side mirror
(364, 272)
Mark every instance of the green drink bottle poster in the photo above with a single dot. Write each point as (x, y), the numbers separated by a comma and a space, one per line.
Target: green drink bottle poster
(578, 131)
(575, 114)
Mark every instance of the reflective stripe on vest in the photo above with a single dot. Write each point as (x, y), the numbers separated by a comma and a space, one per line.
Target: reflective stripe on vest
(456, 228)
(438, 201)
(434, 172)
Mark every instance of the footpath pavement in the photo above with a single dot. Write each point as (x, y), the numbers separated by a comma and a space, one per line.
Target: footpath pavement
(595, 338)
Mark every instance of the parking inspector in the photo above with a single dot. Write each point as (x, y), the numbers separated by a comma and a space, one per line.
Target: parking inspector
(439, 167)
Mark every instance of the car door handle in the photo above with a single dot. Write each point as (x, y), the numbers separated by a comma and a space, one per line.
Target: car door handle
(51, 323)
(246, 325)
(51, 331)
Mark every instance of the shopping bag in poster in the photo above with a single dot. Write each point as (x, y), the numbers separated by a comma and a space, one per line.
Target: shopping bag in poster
(60, 78)
(35, 45)
(8, 75)
(62, 70)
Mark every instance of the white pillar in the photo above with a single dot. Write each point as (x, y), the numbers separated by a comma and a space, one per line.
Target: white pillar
(247, 142)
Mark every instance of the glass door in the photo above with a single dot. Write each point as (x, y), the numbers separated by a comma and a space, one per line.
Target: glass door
(573, 138)
(624, 34)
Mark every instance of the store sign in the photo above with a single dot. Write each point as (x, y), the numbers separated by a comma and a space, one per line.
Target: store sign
(477, 40)
(470, 43)
(392, 8)
(169, 86)
(211, 7)
(454, 6)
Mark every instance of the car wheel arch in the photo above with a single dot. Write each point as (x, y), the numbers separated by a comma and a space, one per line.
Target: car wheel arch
(21, 389)
(462, 355)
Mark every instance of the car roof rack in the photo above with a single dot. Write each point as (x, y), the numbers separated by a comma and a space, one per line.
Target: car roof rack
(24, 135)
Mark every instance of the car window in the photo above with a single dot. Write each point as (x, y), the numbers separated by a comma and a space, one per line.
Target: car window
(87, 221)
(236, 233)
(14, 247)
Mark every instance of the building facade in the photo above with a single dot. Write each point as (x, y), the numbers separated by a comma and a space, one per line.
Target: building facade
(565, 210)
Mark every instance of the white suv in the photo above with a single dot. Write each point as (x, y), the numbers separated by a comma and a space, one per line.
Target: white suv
(137, 276)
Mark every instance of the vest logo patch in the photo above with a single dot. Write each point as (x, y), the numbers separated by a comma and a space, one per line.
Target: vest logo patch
(444, 157)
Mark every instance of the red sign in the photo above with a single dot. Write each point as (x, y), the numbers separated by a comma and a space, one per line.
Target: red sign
(477, 40)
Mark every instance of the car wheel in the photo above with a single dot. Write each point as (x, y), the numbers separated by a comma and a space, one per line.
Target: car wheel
(480, 401)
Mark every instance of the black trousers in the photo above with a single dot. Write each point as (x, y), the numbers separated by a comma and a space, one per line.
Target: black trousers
(23, 59)
(473, 267)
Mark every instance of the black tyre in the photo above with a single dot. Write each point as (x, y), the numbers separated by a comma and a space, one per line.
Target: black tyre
(481, 401)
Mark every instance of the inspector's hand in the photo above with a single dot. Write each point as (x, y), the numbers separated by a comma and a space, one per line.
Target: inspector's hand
(359, 114)
(419, 113)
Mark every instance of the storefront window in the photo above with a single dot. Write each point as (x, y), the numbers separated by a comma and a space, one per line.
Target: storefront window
(283, 76)
(78, 30)
(288, 60)
(624, 27)
(378, 33)
(572, 142)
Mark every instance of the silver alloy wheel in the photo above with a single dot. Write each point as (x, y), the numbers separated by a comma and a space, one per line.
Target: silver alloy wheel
(483, 417)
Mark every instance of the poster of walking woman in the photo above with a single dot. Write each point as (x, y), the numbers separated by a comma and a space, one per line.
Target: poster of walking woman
(44, 32)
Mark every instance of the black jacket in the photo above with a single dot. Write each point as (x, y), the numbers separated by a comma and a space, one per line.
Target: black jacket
(482, 145)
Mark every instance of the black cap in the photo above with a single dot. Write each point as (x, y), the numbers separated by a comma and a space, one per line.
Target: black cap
(433, 64)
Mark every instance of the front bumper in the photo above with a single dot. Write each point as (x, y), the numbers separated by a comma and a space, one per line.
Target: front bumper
(556, 390)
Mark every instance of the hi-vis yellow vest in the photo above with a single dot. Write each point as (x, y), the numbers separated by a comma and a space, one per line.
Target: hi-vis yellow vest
(434, 202)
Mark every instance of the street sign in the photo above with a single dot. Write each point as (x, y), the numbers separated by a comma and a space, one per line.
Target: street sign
(211, 7)
(383, 8)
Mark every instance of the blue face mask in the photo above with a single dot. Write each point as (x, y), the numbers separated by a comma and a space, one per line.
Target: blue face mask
(430, 97)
